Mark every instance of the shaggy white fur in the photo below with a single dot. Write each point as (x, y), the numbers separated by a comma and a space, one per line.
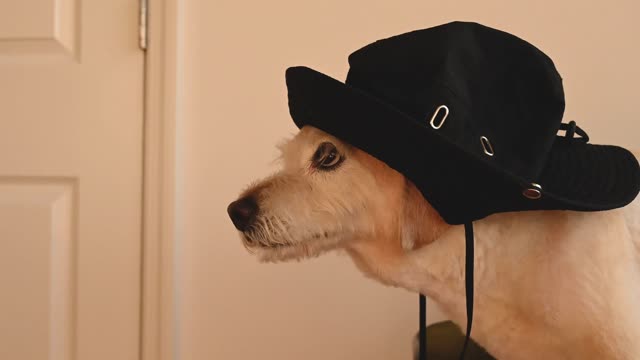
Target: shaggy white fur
(548, 284)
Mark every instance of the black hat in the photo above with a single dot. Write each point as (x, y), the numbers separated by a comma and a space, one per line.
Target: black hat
(471, 116)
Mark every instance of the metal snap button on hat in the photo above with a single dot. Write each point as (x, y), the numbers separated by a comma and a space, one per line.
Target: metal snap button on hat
(534, 192)
(486, 146)
(435, 115)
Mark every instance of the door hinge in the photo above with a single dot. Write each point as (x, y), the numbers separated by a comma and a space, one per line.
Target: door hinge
(142, 28)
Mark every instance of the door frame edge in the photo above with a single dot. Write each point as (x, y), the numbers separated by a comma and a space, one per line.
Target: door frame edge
(157, 318)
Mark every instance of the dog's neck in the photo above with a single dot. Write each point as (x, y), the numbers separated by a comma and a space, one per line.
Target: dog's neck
(538, 272)
(420, 224)
(377, 254)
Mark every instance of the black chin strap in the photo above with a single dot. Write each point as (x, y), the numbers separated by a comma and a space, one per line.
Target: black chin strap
(468, 281)
(468, 285)
(422, 354)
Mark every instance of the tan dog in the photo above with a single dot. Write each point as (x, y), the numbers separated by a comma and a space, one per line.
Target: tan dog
(549, 284)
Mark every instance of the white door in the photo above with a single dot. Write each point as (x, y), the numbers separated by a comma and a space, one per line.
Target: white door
(71, 116)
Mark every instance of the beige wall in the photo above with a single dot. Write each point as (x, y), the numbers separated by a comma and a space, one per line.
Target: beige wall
(233, 111)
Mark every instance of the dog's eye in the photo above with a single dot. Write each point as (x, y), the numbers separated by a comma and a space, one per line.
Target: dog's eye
(326, 156)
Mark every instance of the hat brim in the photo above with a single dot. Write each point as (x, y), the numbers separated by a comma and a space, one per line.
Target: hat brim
(462, 186)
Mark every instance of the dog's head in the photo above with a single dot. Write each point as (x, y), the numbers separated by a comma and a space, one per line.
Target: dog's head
(328, 195)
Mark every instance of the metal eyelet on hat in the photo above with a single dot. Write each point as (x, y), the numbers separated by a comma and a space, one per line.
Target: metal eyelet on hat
(534, 192)
(486, 146)
(435, 115)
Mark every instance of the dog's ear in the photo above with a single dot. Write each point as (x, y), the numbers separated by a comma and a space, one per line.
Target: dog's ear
(421, 223)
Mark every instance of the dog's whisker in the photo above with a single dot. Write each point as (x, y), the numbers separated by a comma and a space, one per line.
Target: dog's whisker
(275, 231)
(285, 234)
(249, 248)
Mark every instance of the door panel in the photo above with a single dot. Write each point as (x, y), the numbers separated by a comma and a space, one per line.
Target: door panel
(71, 116)
(39, 26)
(36, 268)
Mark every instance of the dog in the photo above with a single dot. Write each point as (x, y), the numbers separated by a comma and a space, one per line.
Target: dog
(548, 284)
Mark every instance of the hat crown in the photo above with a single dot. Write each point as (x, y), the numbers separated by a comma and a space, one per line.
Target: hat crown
(496, 86)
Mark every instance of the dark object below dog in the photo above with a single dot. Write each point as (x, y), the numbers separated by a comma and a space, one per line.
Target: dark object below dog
(445, 341)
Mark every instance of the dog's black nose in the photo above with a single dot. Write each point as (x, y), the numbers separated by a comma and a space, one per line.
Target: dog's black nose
(243, 212)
